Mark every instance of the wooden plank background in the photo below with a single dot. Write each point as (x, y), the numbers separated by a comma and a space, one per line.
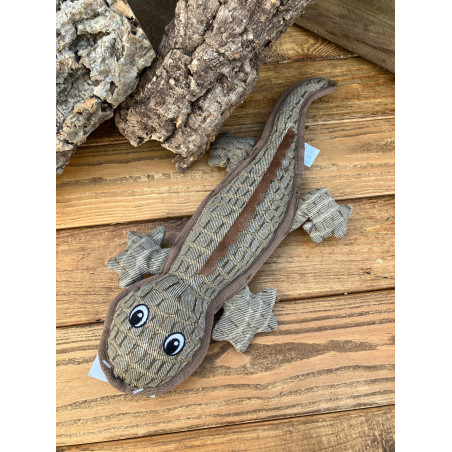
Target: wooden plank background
(357, 430)
(325, 378)
(366, 27)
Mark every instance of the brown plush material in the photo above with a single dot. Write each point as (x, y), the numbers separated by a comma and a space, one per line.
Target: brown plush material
(157, 331)
(250, 209)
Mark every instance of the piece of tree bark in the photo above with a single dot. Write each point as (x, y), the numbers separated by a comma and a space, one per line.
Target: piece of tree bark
(207, 63)
(101, 50)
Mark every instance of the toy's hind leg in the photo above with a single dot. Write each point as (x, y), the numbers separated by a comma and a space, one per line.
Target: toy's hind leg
(245, 315)
(229, 151)
(321, 216)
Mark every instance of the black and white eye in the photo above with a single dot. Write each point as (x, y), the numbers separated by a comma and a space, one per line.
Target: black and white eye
(139, 316)
(174, 344)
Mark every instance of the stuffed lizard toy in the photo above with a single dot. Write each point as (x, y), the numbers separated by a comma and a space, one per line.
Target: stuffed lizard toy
(158, 329)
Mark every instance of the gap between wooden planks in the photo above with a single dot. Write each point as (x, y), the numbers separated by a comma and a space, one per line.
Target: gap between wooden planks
(328, 354)
(356, 430)
(356, 161)
(363, 260)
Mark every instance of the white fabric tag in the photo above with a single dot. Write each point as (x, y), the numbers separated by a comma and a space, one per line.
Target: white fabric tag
(96, 372)
(310, 154)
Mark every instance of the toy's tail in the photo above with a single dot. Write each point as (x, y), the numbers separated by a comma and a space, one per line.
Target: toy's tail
(265, 181)
(289, 113)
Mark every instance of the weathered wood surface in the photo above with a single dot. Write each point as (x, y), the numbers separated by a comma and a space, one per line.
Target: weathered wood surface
(297, 44)
(364, 92)
(362, 260)
(328, 354)
(154, 16)
(348, 431)
(206, 65)
(110, 184)
(366, 27)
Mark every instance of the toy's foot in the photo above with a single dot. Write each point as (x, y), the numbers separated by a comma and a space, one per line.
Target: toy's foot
(244, 315)
(229, 151)
(325, 217)
(142, 256)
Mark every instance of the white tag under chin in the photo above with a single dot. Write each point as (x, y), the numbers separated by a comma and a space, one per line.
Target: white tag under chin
(96, 372)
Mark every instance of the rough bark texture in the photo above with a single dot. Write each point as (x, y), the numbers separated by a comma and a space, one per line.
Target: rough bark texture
(101, 50)
(207, 63)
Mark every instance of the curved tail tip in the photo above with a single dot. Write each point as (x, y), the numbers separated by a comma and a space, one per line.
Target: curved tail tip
(330, 83)
(324, 84)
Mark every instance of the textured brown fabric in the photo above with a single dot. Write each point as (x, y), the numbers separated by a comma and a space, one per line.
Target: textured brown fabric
(242, 220)
(229, 151)
(317, 88)
(143, 256)
(138, 357)
(244, 315)
(326, 217)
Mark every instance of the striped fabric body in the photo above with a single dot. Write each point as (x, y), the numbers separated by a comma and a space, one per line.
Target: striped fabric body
(157, 332)
(222, 210)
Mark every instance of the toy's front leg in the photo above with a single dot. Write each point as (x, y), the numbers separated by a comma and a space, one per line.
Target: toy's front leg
(321, 216)
(143, 255)
(229, 151)
(245, 315)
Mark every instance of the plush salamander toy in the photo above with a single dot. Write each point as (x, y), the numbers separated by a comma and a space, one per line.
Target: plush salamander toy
(158, 329)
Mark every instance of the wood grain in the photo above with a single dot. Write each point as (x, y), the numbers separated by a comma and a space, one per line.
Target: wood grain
(349, 431)
(328, 354)
(362, 26)
(109, 181)
(117, 183)
(362, 260)
(297, 44)
(364, 90)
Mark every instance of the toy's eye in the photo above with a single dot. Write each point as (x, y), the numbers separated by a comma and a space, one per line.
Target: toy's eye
(139, 315)
(174, 344)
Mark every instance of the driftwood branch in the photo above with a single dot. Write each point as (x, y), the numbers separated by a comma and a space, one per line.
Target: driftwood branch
(101, 50)
(206, 65)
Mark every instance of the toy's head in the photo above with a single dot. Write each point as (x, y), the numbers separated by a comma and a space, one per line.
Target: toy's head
(151, 334)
